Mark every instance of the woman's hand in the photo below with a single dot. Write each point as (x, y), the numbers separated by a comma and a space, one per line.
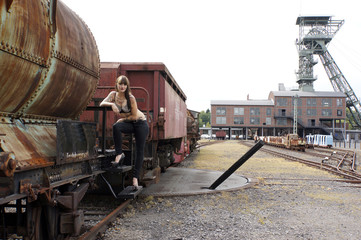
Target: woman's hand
(121, 120)
(115, 108)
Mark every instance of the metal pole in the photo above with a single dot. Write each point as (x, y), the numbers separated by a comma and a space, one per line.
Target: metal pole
(237, 164)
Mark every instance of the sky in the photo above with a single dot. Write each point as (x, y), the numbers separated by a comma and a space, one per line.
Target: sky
(222, 50)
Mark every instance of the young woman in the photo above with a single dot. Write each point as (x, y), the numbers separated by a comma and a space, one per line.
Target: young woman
(131, 120)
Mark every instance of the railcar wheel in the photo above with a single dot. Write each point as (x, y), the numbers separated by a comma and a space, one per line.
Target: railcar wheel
(36, 228)
(44, 222)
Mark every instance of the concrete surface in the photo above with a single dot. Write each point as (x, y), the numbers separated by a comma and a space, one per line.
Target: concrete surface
(186, 181)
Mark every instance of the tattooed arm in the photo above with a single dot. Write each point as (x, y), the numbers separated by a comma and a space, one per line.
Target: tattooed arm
(109, 101)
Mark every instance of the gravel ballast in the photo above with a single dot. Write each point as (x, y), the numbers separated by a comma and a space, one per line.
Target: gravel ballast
(290, 201)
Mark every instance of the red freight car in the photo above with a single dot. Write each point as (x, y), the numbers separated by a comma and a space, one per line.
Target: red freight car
(160, 98)
(221, 135)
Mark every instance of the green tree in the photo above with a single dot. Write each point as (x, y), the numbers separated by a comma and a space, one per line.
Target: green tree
(204, 118)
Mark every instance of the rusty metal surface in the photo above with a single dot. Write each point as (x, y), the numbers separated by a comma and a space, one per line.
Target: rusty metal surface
(7, 164)
(76, 141)
(48, 61)
(175, 114)
(33, 145)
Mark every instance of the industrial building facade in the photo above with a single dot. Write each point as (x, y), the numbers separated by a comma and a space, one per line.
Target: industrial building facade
(316, 112)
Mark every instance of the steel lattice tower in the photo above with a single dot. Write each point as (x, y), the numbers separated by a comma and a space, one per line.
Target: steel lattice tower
(315, 33)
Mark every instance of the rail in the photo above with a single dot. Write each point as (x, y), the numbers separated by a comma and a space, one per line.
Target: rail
(353, 175)
(103, 224)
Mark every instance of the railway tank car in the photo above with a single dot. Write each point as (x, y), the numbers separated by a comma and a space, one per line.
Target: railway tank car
(49, 71)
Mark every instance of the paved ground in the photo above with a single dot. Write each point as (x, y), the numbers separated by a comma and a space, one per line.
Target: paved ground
(178, 181)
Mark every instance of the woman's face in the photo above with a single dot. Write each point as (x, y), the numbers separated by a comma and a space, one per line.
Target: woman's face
(122, 87)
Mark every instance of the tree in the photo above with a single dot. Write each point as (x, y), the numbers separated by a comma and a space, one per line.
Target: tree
(204, 118)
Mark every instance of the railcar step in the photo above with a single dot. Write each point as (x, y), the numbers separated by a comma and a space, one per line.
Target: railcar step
(129, 192)
(119, 169)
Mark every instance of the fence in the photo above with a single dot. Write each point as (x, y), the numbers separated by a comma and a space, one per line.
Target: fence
(351, 144)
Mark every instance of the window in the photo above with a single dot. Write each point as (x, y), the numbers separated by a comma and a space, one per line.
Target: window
(238, 111)
(311, 102)
(221, 111)
(326, 112)
(268, 121)
(311, 112)
(311, 122)
(221, 120)
(281, 121)
(299, 102)
(282, 112)
(326, 102)
(281, 102)
(268, 111)
(254, 111)
(339, 102)
(339, 112)
(299, 112)
(238, 120)
(254, 120)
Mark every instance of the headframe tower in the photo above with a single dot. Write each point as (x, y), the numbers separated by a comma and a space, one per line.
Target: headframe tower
(315, 33)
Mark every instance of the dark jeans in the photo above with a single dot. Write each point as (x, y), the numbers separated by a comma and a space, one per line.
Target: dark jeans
(140, 130)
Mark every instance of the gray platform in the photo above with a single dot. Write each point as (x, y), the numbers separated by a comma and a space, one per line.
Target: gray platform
(186, 181)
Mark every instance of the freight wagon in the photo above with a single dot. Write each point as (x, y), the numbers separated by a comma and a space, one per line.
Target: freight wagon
(319, 140)
(160, 98)
(290, 141)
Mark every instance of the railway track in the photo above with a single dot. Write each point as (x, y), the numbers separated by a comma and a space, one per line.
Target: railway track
(339, 162)
(99, 212)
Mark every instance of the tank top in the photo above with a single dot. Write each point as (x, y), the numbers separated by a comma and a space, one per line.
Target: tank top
(124, 109)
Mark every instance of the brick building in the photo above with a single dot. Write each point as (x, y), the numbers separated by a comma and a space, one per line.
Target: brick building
(316, 112)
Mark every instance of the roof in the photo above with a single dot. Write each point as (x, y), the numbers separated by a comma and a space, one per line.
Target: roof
(146, 66)
(311, 20)
(243, 102)
(307, 94)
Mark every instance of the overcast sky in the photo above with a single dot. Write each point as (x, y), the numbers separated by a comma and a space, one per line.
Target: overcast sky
(222, 50)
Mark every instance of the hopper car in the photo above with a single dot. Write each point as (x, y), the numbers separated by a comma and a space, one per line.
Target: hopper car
(54, 143)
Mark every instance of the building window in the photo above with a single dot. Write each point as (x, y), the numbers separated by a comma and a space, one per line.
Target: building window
(254, 111)
(311, 122)
(339, 112)
(238, 120)
(281, 121)
(282, 112)
(281, 102)
(311, 112)
(299, 102)
(268, 121)
(254, 120)
(326, 112)
(339, 102)
(221, 111)
(299, 112)
(238, 111)
(311, 102)
(327, 102)
(268, 111)
(221, 120)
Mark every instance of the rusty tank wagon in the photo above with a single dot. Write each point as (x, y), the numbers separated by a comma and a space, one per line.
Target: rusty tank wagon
(55, 140)
(49, 71)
